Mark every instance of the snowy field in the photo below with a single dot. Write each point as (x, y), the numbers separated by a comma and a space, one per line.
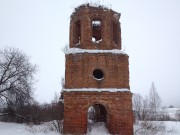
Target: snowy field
(23, 129)
(98, 129)
(172, 128)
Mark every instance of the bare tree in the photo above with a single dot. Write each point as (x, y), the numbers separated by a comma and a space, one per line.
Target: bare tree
(16, 78)
(149, 128)
(147, 112)
(137, 105)
(154, 99)
(141, 107)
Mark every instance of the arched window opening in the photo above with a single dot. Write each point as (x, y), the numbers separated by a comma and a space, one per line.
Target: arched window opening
(97, 116)
(77, 33)
(96, 31)
(115, 33)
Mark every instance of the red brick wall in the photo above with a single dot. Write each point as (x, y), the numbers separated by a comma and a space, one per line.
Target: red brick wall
(80, 67)
(79, 73)
(117, 104)
(85, 15)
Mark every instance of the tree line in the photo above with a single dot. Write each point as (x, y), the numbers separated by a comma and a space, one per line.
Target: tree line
(17, 77)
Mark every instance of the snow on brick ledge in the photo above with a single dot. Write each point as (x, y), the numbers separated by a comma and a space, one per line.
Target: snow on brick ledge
(97, 90)
(78, 50)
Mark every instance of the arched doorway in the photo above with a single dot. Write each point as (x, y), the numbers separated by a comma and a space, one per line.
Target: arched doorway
(97, 116)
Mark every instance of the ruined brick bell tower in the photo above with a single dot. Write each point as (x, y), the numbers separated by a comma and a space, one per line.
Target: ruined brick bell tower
(97, 73)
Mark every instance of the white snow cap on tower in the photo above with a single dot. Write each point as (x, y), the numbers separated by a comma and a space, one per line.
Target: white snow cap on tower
(78, 50)
(98, 90)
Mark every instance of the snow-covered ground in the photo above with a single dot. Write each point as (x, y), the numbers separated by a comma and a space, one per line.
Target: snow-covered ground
(23, 129)
(173, 128)
(98, 129)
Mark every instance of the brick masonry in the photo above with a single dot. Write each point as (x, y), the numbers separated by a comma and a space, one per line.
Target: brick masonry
(110, 25)
(80, 68)
(117, 104)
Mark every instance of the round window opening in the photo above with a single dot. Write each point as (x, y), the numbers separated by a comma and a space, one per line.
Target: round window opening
(98, 74)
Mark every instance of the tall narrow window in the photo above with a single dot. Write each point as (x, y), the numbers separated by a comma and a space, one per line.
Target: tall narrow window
(115, 33)
(77, 32)
(96, 31)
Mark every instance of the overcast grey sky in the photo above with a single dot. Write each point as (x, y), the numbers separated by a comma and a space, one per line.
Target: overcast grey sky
(150, 36)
